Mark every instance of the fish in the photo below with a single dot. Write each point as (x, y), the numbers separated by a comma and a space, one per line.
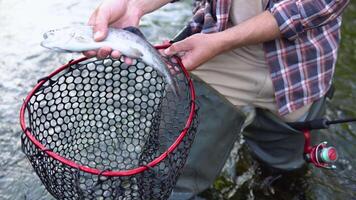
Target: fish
(129, 41)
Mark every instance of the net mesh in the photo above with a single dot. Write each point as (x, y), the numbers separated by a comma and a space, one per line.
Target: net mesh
(110, 116)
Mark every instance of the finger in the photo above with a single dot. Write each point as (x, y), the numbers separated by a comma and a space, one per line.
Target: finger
(177, 47)
(188, 62)
(101, 25)
(92, 18)
(166, 41)
(161, 51)
(103, 52)
(115, 54)
(89, 54)
(128, 60)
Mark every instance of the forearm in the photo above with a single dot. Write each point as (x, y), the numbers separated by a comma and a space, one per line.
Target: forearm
(258, 29)
(147, 6)
(269, 26)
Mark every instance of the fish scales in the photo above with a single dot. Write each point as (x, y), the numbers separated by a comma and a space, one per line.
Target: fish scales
(80, 38)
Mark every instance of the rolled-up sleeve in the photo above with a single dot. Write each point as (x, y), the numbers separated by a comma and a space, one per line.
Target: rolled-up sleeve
(296, 16)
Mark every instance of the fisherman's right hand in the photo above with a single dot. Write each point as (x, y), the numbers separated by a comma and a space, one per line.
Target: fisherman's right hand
(113, 13)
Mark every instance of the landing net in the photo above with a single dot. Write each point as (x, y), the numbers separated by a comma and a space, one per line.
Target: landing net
(103, 129)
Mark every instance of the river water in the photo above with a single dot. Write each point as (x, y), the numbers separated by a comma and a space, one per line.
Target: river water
(23, 62)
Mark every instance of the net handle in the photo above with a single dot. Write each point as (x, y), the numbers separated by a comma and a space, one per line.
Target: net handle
(105, 172)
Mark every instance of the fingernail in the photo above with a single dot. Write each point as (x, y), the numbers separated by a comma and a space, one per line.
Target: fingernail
(98, 35)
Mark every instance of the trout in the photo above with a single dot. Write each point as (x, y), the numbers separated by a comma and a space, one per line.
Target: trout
(129, 41)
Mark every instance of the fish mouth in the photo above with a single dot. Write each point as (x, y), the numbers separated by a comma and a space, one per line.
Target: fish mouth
(43, 44)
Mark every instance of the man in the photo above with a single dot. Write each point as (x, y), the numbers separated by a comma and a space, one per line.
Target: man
(274, 55)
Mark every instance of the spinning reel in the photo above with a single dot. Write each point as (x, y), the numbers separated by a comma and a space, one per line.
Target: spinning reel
(320, 155)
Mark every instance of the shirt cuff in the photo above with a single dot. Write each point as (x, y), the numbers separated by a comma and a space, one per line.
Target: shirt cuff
(288, 18)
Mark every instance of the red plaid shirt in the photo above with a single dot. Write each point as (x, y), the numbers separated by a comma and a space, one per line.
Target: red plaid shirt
(302, 61)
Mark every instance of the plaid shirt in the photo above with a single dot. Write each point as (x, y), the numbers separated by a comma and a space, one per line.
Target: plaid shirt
(302, 61)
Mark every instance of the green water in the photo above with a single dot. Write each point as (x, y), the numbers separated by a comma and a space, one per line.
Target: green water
(23, 61)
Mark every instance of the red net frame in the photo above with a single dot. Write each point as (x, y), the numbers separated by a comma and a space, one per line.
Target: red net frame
(108, 173)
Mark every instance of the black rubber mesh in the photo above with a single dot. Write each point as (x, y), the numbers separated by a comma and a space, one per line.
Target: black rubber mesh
(110, 116)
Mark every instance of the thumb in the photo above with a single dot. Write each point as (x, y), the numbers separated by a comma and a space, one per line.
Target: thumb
(189, 62)
(101, 26)
(177, 47)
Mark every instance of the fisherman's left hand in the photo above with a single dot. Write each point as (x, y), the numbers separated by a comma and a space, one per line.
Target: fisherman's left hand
(196, 49)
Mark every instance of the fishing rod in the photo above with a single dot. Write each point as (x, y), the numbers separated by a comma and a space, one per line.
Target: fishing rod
(318, 124)
(320, 155)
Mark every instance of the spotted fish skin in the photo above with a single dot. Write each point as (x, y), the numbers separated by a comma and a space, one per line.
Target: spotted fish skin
(129, 41)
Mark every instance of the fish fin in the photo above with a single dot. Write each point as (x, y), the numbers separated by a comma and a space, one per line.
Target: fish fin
(135, 30)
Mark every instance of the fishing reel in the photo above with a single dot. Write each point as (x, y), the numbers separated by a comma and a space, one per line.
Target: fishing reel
(320, 155)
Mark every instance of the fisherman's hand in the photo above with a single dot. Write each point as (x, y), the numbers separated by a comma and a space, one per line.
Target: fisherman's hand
(196, 49)
(113, 13)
